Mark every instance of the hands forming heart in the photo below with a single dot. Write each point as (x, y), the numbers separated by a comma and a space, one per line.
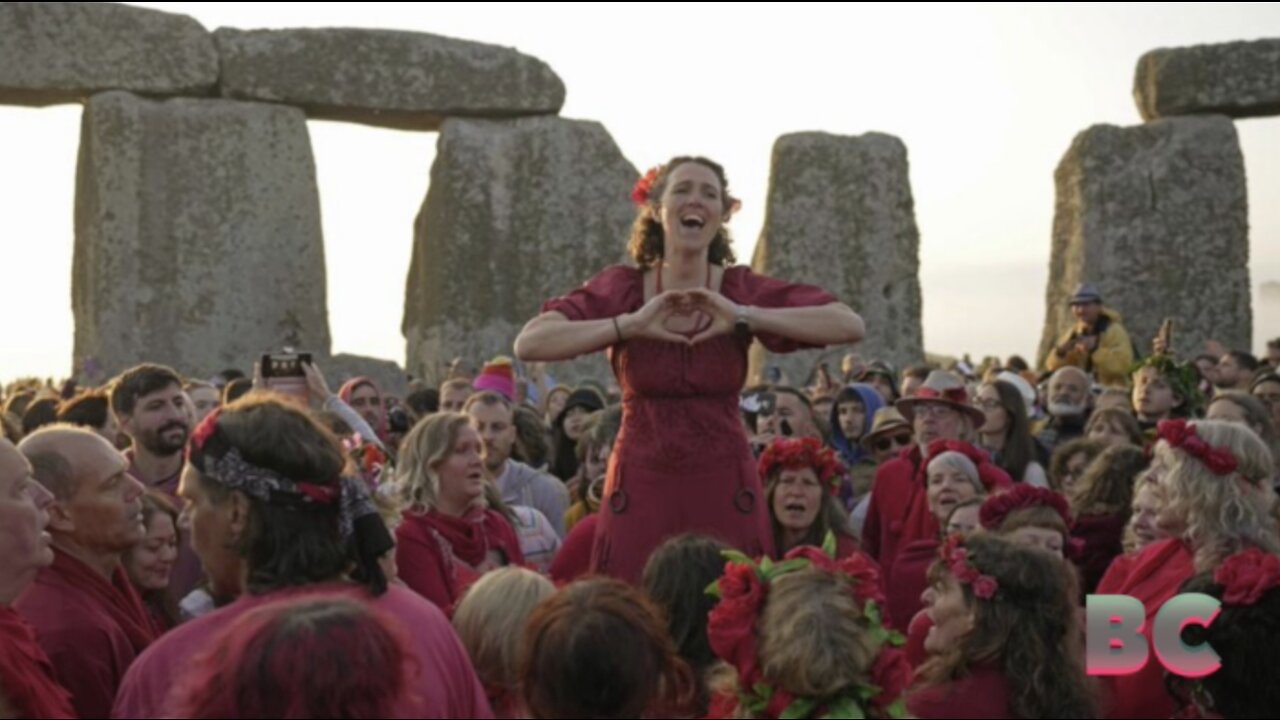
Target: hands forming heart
(711, 313)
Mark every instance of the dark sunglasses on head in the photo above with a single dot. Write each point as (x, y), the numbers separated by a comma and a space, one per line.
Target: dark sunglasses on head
(901, 440)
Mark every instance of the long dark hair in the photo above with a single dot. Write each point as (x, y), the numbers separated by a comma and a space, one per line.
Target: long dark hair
(1029, 630)
(646, 246)
(1019, 447)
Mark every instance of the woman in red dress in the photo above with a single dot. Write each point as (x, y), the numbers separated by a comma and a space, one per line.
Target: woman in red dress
(677, 327)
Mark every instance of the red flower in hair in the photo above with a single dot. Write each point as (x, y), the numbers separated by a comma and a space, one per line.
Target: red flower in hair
(1182, 436)
(1247, 576)
(954, 554)
(798, 453)
(640, 193)
(892, 674)
(731, 626)
(997, 507)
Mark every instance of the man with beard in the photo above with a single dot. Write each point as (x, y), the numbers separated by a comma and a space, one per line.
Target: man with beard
(87, 616)
(1235, 371)
(1070, 404)
(493, 417)
(153, 412)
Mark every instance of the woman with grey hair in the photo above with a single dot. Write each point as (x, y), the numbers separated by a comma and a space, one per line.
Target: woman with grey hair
(954, 474)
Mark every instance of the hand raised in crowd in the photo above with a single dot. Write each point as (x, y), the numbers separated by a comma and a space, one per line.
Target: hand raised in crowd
(316, 385)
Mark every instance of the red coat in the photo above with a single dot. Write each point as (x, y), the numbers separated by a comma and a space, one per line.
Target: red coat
(982, 694)
(899, 510)
(91, 629)
(1102, 540)
(909, 581)
(1152, 576)
(26, 677)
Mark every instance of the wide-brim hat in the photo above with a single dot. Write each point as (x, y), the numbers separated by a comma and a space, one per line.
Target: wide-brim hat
(942, 388)
(887, 420)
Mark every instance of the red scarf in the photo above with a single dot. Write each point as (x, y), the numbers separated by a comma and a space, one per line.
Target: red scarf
(26, 677)
(117, 598)
(470, 537)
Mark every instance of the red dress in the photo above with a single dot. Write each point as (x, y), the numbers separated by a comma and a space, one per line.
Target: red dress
(681, 462)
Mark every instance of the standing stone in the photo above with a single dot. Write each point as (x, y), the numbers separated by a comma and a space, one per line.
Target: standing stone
(1238, 79)
(517, 212)
(1157, 217)
(63, 52)
(384, 77)
(198, 238)
(841, 216)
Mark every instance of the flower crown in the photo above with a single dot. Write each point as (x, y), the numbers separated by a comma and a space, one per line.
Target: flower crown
(796, 453)
(1179, 434)
(732, 630)
(956, 556)
(997, 507)
(1247, 576)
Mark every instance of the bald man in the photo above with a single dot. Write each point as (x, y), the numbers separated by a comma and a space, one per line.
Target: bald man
(1070, 404)
(27, 684)
(88, 618)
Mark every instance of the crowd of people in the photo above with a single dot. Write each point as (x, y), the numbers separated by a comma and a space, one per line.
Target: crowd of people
(877, 543)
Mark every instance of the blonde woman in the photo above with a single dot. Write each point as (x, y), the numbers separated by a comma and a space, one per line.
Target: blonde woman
(490, 621)
(1215, 485)
(452, 531)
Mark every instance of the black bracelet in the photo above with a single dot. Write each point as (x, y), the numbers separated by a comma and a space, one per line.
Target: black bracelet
(617, 329)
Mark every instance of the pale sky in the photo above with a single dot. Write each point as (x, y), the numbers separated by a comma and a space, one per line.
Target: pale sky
(986, 98)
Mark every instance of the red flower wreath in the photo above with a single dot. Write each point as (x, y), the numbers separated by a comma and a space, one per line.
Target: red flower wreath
(797, 453)
(1182, 436)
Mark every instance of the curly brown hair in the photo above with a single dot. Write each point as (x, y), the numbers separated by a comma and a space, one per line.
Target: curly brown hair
(646, 245)
(1029, 630)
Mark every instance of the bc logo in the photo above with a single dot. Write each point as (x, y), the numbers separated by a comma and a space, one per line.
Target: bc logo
(1117, 642)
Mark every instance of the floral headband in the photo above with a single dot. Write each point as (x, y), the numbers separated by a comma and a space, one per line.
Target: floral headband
(1022, 496)
(732, 630)
(1181, 435)
(954, 554)
(797, 453)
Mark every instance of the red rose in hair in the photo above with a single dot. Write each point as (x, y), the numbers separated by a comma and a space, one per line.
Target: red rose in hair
(1247, 576)
(640, 193)
(731, 626)
(985, 587)
(866, 578)
(1178, 434)
(798, 453)
(892, 674)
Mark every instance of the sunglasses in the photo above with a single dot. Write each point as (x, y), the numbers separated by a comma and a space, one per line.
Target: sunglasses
(902, 440)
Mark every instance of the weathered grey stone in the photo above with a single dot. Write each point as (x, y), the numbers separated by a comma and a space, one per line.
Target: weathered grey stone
(384, 77)
(1157, 217)
(198, 239)
(517, 212)
(841, 216)
(1239, 79)
(64, 52)
(341, 368)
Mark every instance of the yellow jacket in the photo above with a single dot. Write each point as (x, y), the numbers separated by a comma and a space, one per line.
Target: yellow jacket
(1109, 362)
